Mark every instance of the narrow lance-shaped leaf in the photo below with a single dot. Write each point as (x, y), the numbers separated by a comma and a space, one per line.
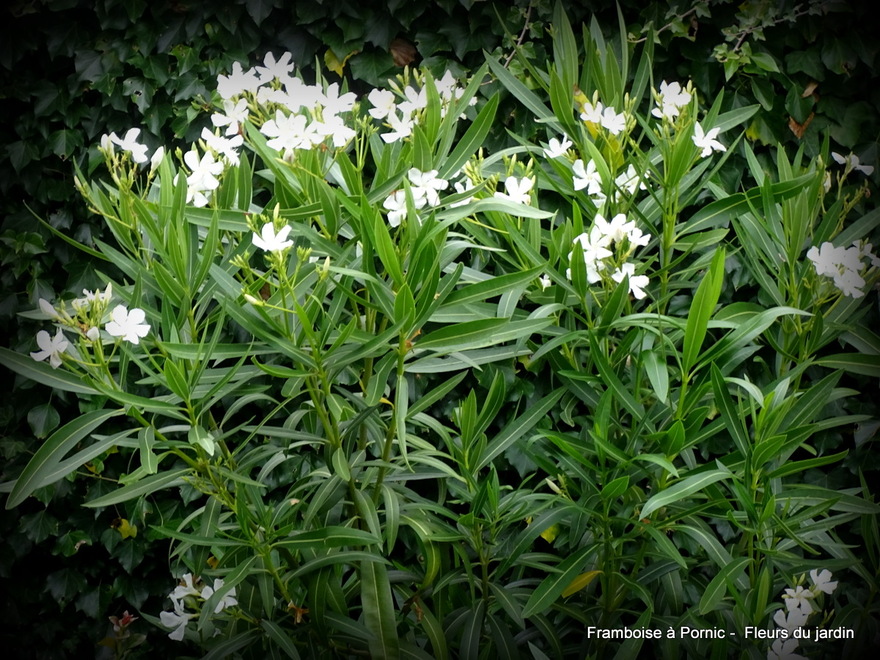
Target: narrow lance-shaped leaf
(49, 455)
(701, 310)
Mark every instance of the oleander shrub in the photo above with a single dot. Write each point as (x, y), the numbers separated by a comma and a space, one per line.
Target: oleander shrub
(371, 377)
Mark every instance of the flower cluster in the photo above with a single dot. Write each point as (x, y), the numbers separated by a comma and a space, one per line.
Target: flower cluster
(607, 117)
(189, 594)
(799, 605)
(845, 265)
(84, 317)
(596, 244)
(401, 115)
(851, 162)
(425, 189)
(671, 99)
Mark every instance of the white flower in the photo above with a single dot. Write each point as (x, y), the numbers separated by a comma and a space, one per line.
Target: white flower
(395, 204)
(181, 591)
(107, 143)
(595, 249)
(783, 649)
(289, 132)
(672, 99)
(636, 237)
(401, 127)
(415, 100)
(586, 177)
(545, 281)
(93, 334)
(628, 180)
(425, 186)
(269, 241)
(557, 148)
(852, 163)
(156, 159)
(272, 68)
(790, 620)
(227, 601)
(235, 115)
(226, 147)
(615, 123)
(176, 620)
(826, 258)
(52, 347)
(614, 231)
(340, 132)
(129, 143)
(462, 187)
(48, 309)
(383, 103)
(334, 103)
(850, 283)
(237, 82)
(636, 282)
(517, 190)
(798, 598)
(203, 176)
(592, 113)
(127, 324)
(707, 141)
(822, 581)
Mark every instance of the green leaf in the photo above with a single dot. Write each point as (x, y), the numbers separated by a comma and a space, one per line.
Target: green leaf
(701, 311)
(551, 587)
(328, 537)
(854, 363)
(471, 140)
(43, 373)
(733, 420)
(682, 489)
(143, 487)
(52, 451)
(518, 427)
(724, 580)
(379, 614)
(43, 419)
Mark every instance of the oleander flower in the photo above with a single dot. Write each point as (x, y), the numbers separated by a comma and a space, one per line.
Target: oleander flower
(592, 113)
(798, 598)
(268, 241)
(395, 204)
(822, 581)
(613, 121)
(127, 324)
(176, 620)
(272, 68)
(426, 186)
(637, 283)
(852, 162)
(237, 82)
(783, 649)
(517, 190)
(707, 141)
(228, 600)
(672, 99)
(586, 176)
(557, 148)
(51, 347)
(791, 619)
(232, 117)
(130, 144)
(383, 102)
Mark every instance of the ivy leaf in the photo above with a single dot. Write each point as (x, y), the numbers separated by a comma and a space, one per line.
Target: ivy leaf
(65, 142)
(43, 419)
